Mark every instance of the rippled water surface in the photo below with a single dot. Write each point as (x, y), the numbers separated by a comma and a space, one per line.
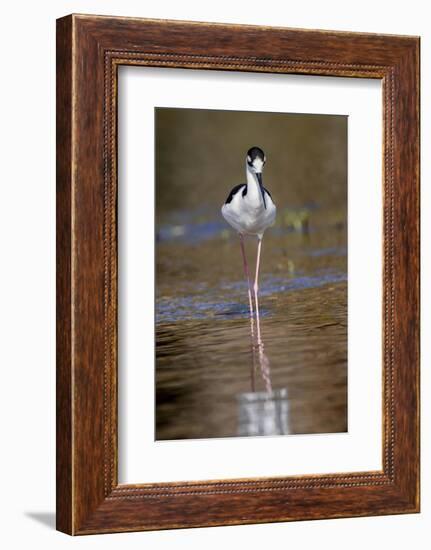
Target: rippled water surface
(212, 378)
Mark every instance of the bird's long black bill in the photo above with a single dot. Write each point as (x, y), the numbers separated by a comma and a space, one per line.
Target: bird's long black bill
(262, 190)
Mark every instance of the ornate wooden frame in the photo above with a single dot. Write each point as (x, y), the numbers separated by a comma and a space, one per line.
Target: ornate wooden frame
(89, 51)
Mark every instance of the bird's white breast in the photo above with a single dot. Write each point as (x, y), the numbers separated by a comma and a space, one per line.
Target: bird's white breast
(248, 215)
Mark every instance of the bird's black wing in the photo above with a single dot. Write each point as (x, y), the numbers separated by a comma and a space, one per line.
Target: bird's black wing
(265, 189)
(235, 190)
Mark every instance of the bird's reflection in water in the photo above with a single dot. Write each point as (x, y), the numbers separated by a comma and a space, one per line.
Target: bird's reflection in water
(262, 412)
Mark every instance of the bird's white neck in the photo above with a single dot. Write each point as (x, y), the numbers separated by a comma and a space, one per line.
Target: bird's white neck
(253, 189)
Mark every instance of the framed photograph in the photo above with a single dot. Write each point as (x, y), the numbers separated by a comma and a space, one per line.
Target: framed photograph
(237, 274)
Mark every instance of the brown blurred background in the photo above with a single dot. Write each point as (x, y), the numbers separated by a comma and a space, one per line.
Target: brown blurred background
(201, 155)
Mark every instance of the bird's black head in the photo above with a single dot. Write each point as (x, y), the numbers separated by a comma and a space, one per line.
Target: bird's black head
(255, 162)
(256, 159)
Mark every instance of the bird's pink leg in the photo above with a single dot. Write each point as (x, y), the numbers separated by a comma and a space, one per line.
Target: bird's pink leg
(263, 358)
(247, 274)
(256, 289)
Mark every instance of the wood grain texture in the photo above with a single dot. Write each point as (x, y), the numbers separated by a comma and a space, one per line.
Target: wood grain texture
(90, 49)
(64, 497)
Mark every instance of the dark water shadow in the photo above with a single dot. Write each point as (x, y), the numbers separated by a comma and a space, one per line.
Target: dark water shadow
(45, 518)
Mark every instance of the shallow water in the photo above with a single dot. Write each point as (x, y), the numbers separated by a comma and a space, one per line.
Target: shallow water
(213, 378)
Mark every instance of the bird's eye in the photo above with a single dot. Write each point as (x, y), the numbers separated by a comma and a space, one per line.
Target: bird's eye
(249, 159)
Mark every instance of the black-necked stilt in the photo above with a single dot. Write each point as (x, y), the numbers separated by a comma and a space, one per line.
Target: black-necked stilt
(250, 210)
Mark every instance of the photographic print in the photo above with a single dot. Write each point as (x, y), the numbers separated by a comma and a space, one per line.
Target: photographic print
(251, 273)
